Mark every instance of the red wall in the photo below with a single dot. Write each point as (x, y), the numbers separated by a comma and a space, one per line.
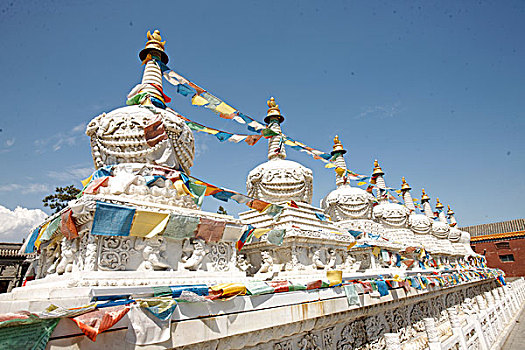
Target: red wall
(517, 248)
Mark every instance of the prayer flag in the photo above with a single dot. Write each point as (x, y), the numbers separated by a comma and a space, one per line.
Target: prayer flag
(274, 210)
(242, 240)
(197, 100)
(321, 216)
(86, 181)
(232, 232)
(351, 294)
(30, 247)
(253, 139)
(112, 220)
(223, 108)
(40, 232)
(382, 288)
(335, 277)
(184, 90)
(355, 233)
(376, 251)
(258, 232)
(181, 226)
(154, 132)
(67, 225)
(237, 138)
(258, 288)
(223, 136)
(276, 236)
(227, 290)
(293, 204)
(148, 224)
(50, 230)
(94, 185)
(279, 286)
(258, 205)
(210, 230)
(95, 322)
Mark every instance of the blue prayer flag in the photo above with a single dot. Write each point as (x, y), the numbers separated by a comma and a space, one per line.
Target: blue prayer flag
(112, 220)
(184, 90)
(30, 247)
(223, 136)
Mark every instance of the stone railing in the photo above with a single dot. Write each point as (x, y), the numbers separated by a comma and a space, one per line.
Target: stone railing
(483, 324)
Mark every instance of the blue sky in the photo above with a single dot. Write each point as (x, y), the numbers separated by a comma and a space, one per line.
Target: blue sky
(433, 89)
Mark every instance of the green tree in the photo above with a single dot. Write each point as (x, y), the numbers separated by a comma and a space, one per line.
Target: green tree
(61, 197)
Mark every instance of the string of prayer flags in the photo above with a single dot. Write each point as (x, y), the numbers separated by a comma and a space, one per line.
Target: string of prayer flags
(112, 220)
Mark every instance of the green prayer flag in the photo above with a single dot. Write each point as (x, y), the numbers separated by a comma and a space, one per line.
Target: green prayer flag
(296, 286)
(258, 287)
(181, 226)
(163, 291)
(195, 126)
(199, 191)
(32, 336)
(276, 236)
(351, 295)
(51, 228)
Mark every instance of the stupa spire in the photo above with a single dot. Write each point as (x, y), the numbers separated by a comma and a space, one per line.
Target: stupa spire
(451, 218)
(151, 83)
(377, 179)
(441, 213)
(407, 197)
(274, 119)
(339, 160)
(425, 203)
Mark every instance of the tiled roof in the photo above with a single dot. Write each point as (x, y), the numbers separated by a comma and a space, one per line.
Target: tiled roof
(496, 227)
(498, 236)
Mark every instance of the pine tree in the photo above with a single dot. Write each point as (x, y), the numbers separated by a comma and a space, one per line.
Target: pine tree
(61, 197)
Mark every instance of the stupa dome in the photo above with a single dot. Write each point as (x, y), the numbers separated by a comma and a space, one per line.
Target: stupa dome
(419, 223)
(135, 134)
(280, 180)
(391, 214)
(454, 234)
(440, 229)
(346, 202)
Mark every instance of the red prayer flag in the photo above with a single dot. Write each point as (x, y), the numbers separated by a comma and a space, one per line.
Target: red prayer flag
(279, 286)
(252, 139)
(258, 205)
(167, 99)
(293, 204)
(67, 225)
(210, 230)
(95, 322)
(96, 184)
(314, 285)
(155, 132)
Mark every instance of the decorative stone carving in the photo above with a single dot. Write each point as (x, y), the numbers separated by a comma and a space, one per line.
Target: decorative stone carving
(353, 335)
(114, 253)
(317, 263)
(69, 252)
(280, 180)
(118, 137)
(219, 256)
(152, 251)
(309, 342)
(267, 262)
(198, 252)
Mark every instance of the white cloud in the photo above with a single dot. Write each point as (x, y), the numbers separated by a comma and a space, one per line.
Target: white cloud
(57, 141)
(26, 188)
(71, 174)
(16, 224)
(379, 111)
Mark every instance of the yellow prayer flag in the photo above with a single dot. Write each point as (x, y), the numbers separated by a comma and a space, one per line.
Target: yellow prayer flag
(361, 183)
(230, 289)
(422, 254)
(181, 188)
(258, 232)
(335, 277)
(290, 143)
(376, 251)
(148, 224)
(398, 191)
(210, 131)
(330, 165)
(225, 109)
(42, 230)
(198, 100)
(351, 245)
(340, 171)
(86, 181)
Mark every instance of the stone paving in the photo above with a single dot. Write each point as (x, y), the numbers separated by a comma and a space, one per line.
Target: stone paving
(516, 339)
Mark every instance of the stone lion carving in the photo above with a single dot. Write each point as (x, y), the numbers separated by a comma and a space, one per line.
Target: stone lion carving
(391, 214)
(119, 137)
(348, 202)
(266, 263)
(280, 180)
(152, 250)
(198, 253)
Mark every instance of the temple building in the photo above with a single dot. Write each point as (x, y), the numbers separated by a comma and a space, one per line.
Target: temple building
(134, 262)
(502, 243)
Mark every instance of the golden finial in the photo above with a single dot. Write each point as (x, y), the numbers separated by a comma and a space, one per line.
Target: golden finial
(438, 204)
(154, 45)
(377, 169)
(424, 196)
(338, 146)
(450, 211)
(404, 185)
(273, 112)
